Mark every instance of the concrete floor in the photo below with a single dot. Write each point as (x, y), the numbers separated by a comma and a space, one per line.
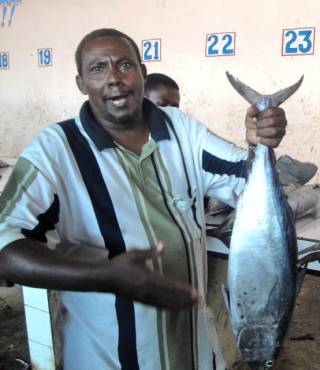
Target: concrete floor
(13, 333)
(301, 348)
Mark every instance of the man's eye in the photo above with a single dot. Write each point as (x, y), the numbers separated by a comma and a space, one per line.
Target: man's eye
(96, 68)
(126, 65)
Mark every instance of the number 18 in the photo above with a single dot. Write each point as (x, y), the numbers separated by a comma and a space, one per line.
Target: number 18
(4, 60)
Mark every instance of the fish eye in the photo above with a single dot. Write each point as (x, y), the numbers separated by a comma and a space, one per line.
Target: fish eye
(268, 364)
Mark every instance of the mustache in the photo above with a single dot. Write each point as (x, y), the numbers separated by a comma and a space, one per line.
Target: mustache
(118, 95)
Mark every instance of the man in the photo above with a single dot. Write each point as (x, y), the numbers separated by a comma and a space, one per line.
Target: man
(113, 183)
(162, 90)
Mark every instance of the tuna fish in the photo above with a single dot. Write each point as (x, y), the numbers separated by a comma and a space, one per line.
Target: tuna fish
(262, 272)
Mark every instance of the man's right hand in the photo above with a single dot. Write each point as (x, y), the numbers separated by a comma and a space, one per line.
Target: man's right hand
(30, 263)
(133, 279)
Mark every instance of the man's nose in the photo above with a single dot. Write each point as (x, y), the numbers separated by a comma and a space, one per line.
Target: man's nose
(114, 76)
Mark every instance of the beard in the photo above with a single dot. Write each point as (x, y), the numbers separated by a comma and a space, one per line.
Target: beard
(120, 117)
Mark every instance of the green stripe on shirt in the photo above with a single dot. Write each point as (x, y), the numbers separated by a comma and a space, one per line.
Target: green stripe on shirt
(174, 329)
(21, 178)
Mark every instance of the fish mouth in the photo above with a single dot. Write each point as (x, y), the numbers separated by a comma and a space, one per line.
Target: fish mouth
(267, 365)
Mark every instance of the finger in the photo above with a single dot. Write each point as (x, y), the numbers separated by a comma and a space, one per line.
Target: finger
(172, 296)
(271, 132)
(253, 111)
(150, 287)
(160, 248)
(141, 256)
(271, 143)
(176, 295)
(251, 123)
(273, 121)
(166, 292)
(271, 112)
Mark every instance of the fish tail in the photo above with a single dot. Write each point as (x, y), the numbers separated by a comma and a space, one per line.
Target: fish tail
(251, 96)
(263, 101)
(282, 95)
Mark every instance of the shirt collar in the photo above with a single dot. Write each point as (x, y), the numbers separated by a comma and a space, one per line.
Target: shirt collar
(103, 140)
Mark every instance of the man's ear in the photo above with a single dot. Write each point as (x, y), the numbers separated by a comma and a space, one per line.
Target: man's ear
(80, 85)
(144, 71)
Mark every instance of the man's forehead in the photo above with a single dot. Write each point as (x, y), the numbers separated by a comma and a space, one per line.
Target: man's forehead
(104, 42)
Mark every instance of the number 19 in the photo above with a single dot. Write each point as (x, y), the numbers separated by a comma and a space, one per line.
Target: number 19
(44, 57)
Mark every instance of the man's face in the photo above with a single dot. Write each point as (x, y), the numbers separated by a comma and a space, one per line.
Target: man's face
(164, 96)
(113, 79)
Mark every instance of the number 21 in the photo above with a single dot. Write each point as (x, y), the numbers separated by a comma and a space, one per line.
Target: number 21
(151, 50)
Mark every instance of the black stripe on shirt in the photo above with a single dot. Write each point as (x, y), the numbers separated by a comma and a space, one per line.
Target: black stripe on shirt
(111, 233)
(47, 221)
(218, 166)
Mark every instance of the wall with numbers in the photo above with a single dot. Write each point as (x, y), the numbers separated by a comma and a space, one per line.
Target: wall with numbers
(267, 45)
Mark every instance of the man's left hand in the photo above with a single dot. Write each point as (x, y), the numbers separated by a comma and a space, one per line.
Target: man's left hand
(267, 127)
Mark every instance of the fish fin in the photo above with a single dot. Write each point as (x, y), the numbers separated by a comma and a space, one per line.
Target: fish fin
(300, 278)
(225, 294)
(223, 231)
(251, 96)
(282, 95)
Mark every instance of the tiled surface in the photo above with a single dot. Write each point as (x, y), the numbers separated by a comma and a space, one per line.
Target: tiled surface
(36, 298)
(38, 326)
(41, 356)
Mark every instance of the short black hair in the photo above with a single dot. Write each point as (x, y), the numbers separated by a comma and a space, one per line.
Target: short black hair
(154, 80)
(100, 33)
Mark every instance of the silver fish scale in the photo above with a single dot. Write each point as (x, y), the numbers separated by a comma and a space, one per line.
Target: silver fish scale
(261, 281)
(263, 252)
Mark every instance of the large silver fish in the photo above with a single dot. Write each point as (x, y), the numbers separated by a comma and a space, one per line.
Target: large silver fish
(262, 272)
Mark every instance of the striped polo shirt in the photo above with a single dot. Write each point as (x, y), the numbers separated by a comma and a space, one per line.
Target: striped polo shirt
(94, 197)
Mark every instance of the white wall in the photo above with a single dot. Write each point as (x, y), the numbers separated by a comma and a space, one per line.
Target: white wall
(32, 97)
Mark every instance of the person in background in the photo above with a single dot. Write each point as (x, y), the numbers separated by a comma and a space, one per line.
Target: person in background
(162, 90)
(121, 189)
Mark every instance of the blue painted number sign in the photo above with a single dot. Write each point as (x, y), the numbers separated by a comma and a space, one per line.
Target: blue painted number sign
(151, 50)
(45, 57)
(4, 60)
(220, 44)
(298, 41)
